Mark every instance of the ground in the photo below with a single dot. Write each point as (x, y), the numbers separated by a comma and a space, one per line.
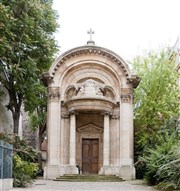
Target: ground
(49, 185)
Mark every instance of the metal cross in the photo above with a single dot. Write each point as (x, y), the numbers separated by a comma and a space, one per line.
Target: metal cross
(90, 32)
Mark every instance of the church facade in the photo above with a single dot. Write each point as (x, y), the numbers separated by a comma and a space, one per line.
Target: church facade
(90, 114)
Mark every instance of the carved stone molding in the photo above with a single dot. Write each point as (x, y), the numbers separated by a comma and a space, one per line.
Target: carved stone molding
(65, 115)
(54, 93)
(73, 112)
(92, 50)
(134, 80)
(127, 98)
(115, 117)
(109, 113)
(90, 88)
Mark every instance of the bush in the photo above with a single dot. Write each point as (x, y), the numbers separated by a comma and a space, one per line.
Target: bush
(163, 161)
(23, 171)
(24, 166)
(170, 172)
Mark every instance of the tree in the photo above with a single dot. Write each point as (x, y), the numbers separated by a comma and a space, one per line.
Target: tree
(156, 98)
(27, 47)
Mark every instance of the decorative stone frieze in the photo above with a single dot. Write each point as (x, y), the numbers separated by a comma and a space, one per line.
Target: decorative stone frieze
(127, 98)
(54, 93)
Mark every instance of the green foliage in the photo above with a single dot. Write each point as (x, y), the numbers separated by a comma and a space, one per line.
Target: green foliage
(24, 158)
(20, 147)
(27, 47)
(23, 172)
(169, 172)
(158, 84)
(163, 161)
(156, 120)
(156, 98)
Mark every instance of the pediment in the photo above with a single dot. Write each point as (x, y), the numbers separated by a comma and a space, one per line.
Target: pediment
(90, 128)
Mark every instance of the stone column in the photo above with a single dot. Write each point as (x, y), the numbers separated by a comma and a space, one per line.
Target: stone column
(72, 149)
(106, 140)
(127, 170)
(53, 133)
(71, 168)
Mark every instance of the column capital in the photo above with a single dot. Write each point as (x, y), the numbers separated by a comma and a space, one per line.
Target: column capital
(73, 112)
(127, 98)
(115, 117)
(106, 113)
(65, 115)
(54, 93)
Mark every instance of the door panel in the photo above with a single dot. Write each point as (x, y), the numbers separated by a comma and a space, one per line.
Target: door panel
(90, 156)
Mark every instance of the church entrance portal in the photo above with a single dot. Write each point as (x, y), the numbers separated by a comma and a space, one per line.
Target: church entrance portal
(90, 156)
(90, 114)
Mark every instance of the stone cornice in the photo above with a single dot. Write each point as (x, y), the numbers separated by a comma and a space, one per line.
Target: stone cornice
(46, 78)
(134, 80)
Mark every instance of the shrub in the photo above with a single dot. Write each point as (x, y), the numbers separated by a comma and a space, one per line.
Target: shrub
(24, 166)
(23, 172)
(163, 161)
(170, 172)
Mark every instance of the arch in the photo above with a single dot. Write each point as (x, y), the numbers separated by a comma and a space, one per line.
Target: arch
(82, 70)
(89, 50)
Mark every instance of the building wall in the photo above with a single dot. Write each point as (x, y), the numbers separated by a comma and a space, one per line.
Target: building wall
(6, 122)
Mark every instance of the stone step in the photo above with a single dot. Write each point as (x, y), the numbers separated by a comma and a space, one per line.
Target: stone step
(89, 178)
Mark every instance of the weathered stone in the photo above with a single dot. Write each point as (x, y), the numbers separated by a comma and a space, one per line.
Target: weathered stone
(90, 114)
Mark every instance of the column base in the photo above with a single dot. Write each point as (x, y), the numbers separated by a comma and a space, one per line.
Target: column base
(127, 172)
(68, 169)
(109, 170)
(51, 171)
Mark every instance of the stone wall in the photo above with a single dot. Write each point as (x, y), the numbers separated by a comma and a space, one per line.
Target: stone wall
(6, 122)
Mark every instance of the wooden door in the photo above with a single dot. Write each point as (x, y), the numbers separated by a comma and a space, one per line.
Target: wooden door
(90, 156)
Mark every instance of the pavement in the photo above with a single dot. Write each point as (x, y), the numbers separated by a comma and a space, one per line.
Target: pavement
(50, 185)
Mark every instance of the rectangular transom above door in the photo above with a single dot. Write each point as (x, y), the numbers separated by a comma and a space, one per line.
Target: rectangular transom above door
(90, 156)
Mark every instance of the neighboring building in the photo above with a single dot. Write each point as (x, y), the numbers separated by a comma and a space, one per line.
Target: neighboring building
(175, 53)
(90, 114)
(6, 121)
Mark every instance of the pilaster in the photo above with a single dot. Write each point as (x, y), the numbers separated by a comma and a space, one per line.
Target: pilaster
(106, 140)
(72, 149)
(127, 170)
(53, 129)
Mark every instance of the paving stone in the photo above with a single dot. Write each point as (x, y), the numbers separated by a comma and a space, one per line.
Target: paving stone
(49, 185)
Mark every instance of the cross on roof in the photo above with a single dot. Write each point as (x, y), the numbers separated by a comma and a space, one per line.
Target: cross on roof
(90, 32)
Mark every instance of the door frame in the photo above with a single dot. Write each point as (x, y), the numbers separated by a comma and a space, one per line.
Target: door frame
(91, 154)
(86, 132)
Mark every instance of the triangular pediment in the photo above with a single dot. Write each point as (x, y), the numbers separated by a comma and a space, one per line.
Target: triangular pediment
(90, 128)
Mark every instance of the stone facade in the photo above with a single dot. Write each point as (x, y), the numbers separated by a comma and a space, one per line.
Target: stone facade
(90, 114)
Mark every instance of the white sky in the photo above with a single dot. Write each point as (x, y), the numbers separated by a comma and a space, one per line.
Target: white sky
(127, 27)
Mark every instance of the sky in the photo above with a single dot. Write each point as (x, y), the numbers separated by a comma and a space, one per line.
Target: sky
(127, 27)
